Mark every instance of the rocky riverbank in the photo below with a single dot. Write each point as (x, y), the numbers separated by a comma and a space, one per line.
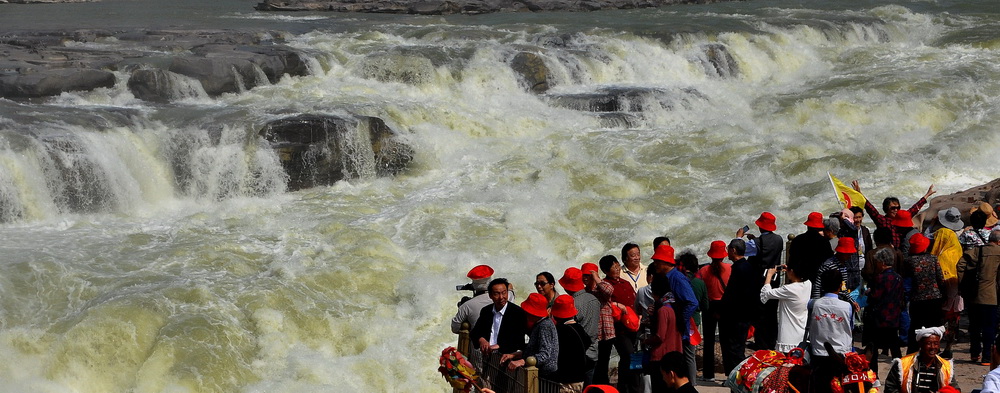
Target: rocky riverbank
(441, 7)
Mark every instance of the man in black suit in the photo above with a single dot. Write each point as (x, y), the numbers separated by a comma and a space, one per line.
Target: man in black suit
(502, 325)
(769, 249)
(740, 305)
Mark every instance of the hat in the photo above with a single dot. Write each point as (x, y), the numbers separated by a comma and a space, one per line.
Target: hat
(600, 389)
(919, 243)
(572, 280)
(903, 219)
(564, 307)
(536, 304)
(815, 220)
(766, 222)
(845, 245)
(991, 216)
(717, 249)
(664, 253)
(951, 218)
(928, 331)
(589, 267)
(480, 276)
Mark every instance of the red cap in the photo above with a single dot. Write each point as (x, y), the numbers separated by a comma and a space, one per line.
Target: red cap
(564, 307)
(536, 304)
(766, 222)
(845, 245)
(919, 243)
(589, 267)
(664, 253)
(815, 220)
(600, 389)
(481, 272)
(572, 280)
(903, 219)
(717, 250)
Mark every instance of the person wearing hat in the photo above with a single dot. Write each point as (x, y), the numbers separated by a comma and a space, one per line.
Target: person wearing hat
(740, 305)
(927, 279)
(976, 234)
(984, 262)
(903, 223)
(923, 371)
(573, 344)
(948, 251)
(500, 326)
(809, 250)
(468, 311)
(716, 277)
(543, 340)
(891, 207)
(588, 314)
(685, 302)
(845, 251)
(950, 218)
(885, 309)
(767, 254)
(591, 276)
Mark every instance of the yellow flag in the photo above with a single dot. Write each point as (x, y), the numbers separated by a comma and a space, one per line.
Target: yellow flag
(847, 195)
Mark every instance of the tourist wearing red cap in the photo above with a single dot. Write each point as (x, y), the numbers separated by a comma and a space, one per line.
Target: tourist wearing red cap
(767, 254)
(468, 311)
(926, 281)
(809, 250)
(891, 207)
(573, 344)
(543, 340)
(588, 315)
(903, 224)
(716, 277)
(844, 252)
(591, 276)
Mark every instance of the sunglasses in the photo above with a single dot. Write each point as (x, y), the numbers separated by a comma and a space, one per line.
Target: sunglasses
(893, 207)
(540, 283)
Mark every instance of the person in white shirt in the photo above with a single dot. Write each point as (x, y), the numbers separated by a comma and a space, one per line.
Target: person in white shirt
(793, 312)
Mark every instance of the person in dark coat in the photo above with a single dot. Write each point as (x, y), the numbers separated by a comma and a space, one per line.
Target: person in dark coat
(509, 317)
(809, 250)
(769, 249)
(740, 305)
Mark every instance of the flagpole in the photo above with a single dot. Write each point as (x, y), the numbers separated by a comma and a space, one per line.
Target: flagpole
(836, 194)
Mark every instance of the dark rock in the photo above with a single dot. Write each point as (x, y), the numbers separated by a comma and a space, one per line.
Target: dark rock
(718, 61)
(320, 150)
(230, 69)
(156, 85)
(53, 82)
(532, 71)
(626, 99)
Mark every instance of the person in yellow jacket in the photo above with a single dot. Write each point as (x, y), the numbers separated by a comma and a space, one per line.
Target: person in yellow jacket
(922, 371)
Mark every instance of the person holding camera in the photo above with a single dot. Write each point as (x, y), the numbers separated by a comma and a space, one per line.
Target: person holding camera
(793, 300)
(468, 308)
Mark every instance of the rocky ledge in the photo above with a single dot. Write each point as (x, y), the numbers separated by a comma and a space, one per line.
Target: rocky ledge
(160, 62)
(441, 7)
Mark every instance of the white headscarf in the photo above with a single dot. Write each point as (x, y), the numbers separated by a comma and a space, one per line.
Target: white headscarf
(928, 331)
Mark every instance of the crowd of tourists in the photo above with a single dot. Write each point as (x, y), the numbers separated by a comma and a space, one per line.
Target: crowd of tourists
(897, 286)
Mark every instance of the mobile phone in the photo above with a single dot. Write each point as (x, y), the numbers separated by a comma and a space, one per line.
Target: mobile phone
(746, 228)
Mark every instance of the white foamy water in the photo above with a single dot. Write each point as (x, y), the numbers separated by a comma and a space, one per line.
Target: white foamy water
(177, 262)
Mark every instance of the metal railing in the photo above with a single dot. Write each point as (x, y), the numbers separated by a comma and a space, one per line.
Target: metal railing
(497, 377)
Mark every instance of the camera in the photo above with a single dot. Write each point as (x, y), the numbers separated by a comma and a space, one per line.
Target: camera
(466, 287)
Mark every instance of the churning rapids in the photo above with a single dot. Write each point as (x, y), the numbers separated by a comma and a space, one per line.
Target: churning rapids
(155, 247)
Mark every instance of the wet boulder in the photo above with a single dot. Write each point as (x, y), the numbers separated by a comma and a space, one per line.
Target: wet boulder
(963, 200)
(717, 61)
(50, 82)
(532, 71)
(318, 150)
(626, 99)
(230, 69)
(156, 85)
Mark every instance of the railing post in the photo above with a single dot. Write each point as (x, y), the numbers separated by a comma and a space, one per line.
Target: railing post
(463, 339)
(531, 380)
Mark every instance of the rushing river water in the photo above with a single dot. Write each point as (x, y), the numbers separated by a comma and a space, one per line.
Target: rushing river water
(172, 259)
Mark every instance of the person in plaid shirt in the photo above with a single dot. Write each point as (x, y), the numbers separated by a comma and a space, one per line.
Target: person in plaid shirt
(891, 206)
